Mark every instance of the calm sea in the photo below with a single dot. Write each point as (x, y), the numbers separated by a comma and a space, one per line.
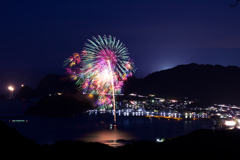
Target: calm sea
(95, 128)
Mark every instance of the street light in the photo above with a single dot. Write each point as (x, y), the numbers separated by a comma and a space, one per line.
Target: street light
(10, 88)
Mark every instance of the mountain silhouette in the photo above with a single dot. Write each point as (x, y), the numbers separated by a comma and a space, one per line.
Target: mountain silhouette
(26, 92)
(206, 83)
(52, 84)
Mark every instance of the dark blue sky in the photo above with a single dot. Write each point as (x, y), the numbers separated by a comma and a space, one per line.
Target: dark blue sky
(37, 36)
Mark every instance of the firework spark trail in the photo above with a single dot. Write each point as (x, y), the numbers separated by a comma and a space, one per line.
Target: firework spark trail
(104, 66)
(111, 77)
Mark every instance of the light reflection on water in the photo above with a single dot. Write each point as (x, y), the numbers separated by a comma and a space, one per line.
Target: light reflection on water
(109, 137)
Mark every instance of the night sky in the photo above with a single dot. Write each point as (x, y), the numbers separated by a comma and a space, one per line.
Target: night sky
(37, 36)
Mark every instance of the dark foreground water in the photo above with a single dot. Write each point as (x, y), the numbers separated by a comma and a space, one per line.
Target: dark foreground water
(47, 130)
(96, 128)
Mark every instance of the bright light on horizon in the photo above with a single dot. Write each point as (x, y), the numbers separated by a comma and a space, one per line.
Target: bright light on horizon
(10, 88)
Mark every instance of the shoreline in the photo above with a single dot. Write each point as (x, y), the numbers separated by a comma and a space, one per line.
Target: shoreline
(202, 139)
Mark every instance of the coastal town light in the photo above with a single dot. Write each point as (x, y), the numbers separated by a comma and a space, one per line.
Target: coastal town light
(10, 88)
(230, 123)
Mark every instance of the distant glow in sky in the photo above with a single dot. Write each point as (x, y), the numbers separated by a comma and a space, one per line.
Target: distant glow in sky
(36, 36)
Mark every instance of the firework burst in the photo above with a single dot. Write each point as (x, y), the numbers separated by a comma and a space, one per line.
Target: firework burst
(104, 66)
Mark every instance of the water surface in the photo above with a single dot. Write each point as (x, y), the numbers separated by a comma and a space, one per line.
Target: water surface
(94, 128)
(47, 130)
